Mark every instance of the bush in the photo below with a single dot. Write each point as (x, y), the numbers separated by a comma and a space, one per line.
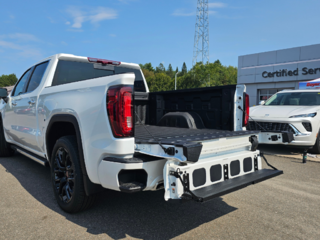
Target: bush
(8, 80)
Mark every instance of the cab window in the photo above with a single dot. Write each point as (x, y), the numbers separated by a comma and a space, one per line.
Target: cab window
(69, 72)
(37, 76)
(19, 89)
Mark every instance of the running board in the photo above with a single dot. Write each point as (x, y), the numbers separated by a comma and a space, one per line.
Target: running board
(32, 156)
(234, 184)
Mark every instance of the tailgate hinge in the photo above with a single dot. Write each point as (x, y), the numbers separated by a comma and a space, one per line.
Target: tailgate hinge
(256, 168)
(226, 171)
(188, 195)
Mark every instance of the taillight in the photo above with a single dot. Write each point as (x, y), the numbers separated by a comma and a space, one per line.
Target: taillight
(120, 110)
(103, 61)
(246, 110)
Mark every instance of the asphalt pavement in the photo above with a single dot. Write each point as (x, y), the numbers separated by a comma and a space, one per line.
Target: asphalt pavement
(285, 207)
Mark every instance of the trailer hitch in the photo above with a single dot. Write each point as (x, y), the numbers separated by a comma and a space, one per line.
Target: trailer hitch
(187, 195)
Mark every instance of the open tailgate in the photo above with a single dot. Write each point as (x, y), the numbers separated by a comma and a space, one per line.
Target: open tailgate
(214, 177)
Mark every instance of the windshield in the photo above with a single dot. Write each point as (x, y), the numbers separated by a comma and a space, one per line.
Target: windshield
(294, 99)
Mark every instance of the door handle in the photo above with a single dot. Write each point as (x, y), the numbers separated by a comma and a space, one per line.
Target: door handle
(14, 103)
(31, 102)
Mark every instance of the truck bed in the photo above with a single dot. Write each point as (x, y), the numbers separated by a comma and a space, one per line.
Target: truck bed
(171, 135)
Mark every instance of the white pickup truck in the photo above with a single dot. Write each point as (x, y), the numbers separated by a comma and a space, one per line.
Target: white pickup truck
(95, 124)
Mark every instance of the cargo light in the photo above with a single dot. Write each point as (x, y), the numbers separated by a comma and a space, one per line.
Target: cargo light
(120, 110)
(103, 61)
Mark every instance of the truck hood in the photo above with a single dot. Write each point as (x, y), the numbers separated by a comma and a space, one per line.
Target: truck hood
(280, 111)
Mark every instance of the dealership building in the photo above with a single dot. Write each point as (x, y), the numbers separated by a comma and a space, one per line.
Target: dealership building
(269, 72)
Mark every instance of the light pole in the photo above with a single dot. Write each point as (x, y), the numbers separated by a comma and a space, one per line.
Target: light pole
(175, 81)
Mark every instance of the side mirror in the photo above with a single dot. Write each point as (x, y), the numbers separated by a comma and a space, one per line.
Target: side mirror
(262, 102)
(4, 94)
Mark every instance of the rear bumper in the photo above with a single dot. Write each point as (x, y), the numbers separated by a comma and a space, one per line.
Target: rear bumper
(109, 172)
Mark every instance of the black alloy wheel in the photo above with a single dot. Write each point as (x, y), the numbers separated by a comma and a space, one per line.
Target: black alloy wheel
(67, 176)
(64, 175)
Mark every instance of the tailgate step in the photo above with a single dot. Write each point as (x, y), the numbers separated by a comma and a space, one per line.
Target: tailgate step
(234, 184)
(131, 187)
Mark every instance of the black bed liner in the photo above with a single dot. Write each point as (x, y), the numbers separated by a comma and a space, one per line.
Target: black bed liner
(171, 135)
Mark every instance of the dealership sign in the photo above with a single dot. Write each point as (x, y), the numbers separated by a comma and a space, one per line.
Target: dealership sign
(285, 72)
(310, 85)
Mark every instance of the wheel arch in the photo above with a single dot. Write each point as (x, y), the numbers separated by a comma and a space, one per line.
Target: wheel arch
(69, 120)
(2, 129)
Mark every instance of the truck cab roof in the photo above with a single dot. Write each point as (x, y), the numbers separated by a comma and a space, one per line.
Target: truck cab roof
(72, 57)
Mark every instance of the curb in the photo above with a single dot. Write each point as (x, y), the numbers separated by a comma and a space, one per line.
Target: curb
(308, 159)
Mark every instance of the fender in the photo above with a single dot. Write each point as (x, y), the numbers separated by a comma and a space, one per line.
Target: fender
(90, 187)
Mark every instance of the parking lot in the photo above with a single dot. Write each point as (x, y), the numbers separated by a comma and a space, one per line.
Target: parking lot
(286, 207)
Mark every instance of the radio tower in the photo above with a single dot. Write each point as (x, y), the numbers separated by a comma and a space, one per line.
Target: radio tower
(201, 36)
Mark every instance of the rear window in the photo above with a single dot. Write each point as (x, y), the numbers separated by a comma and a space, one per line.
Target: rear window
(68, 72)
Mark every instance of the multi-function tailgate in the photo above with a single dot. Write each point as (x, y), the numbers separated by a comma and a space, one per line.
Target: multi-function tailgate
(203, 163)
(214, 177)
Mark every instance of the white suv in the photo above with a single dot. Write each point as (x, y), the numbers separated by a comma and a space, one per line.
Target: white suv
(289, 111)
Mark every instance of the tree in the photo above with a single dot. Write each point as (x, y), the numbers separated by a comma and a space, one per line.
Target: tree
(164, 82)
(8, 80)
(147, 66)
(170, 71)
(160, 68)
(150, 78)
(159, 82)
(200, 75)
(184, 69)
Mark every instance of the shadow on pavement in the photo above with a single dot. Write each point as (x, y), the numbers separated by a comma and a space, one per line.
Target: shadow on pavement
(288, 152)
(280, 149)
(140, 215)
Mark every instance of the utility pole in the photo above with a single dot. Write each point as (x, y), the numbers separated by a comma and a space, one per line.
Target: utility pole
(201, 36)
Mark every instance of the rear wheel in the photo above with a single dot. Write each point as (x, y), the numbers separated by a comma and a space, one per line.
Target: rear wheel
(5, 149)
(67, 178)
(316, 147)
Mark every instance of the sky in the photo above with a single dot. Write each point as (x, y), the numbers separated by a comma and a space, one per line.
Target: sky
(142, 31)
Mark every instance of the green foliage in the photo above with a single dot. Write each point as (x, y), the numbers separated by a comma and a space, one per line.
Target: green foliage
(200, 75)
(184, 69)
(160, 68)
(158, 81)
(147, 66)
(170, 71)
(8, 80)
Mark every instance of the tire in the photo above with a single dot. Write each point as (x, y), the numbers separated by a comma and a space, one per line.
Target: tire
(316, 147)
(5, 149)
(67, 178)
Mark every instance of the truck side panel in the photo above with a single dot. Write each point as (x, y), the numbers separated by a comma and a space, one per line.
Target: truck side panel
(86, 101)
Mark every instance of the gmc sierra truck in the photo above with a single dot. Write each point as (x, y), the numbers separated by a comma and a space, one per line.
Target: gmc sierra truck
(96, 125)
